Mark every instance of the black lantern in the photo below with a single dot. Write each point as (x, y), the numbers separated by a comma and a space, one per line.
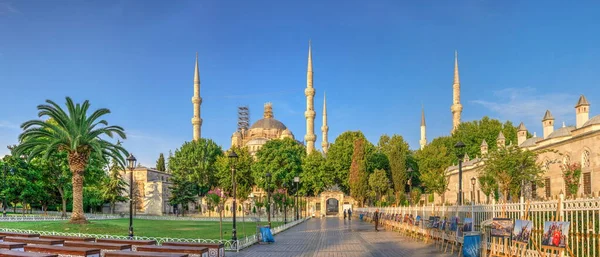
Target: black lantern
(460, 154)
(233, 157)
(268, 175)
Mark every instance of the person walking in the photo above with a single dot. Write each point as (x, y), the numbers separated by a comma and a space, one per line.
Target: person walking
(344, 213)
(376, 219)
(349, 214)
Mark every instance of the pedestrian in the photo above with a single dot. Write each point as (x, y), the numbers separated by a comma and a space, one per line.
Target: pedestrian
(376, 219)
(344, 213)
(349, 213)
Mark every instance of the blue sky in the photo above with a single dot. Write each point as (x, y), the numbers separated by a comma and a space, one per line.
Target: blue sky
(378, 61)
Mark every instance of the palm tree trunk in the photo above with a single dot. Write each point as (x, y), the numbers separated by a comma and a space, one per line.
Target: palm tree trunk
(78, 217)
(77, 163)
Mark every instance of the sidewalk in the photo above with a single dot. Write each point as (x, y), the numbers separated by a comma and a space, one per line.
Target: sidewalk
(333, 237)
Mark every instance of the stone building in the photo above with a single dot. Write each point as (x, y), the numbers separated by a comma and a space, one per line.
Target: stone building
(151, 192)
(565, 144)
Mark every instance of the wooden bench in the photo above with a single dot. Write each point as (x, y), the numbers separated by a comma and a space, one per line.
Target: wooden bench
(63, 251)
(101, 246)
(214, 249)
(191, 250)
(9, 253)
(70, 238)
(143, 254)
(133, 243)
(35, 241)
(12, 246)
(13, 234)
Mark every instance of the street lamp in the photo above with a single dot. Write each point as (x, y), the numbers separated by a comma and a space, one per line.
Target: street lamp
(409, 183)
(285, 204)
(473, 180)
(131, 164)
(297, 181)
(460, 154)
(268, 199)
(233, 157)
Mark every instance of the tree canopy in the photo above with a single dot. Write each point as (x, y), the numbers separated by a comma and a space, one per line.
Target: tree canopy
(282, 158)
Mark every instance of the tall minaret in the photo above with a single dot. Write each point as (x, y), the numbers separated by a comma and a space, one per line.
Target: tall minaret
(324, 128)
(423, 140)
(310, 137)
(456, 106)
(197, 101)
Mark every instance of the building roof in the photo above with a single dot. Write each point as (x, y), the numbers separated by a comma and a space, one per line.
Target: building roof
(594, 120)
(582, 101)
(547, 116)
(268, 123)
(530, 142)
(562, 132)
(484, 143)
(501, 135)
(521, 127)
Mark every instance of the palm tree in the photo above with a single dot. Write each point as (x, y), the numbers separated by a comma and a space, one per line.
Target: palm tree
(75, 133)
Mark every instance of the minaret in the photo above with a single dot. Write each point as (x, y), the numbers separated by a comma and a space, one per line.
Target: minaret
(324, 128)
(423, 140)
(197, 101)
(310, 137)
(456, 106)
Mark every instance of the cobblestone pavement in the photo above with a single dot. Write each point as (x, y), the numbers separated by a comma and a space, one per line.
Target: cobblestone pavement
(333, 237)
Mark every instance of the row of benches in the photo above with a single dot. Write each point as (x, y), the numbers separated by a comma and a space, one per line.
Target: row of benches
(34, 245)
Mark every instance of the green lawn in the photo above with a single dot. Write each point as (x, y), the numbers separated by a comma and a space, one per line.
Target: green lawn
(151, 228)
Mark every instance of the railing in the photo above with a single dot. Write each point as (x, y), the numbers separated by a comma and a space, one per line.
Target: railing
(583, 214)
(230, 245)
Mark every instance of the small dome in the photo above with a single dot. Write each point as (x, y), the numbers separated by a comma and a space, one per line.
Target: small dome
(530, 142)
(593, 121)
(237, 134)
(268, 123)
(561, 132)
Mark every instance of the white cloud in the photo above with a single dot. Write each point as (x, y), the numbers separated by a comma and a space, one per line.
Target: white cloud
(527, 105)
(7, 8)
(8, 125)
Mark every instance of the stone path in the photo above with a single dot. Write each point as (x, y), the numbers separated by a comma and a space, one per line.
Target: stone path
(333, 237)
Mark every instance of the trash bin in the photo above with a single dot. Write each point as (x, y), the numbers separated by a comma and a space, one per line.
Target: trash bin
(265, 235)
(360, 216)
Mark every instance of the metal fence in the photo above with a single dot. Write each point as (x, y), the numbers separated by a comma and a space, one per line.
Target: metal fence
(230, 245)
(583, 214)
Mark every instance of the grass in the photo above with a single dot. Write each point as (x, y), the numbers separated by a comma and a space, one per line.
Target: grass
(150, 228)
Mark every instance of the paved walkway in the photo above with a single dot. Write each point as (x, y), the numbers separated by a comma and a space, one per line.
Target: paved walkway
(333, 237)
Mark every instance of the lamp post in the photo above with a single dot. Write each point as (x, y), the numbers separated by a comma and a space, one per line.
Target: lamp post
(297, 181)
(473, 180)
(409, 182)
(233, 157)
(131, 164)
(459, 153)
(285, 203)
(268, 199)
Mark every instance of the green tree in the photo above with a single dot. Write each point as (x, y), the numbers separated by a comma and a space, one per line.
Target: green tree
(512, 167)
(433, 160)
(183, 191)
(339, 157)
(280, 157)
(472, 133)
(397, 151)
(114, 187)
(160, 163)
(76, 133)
(379, 183)
(358, 179)
(314, 175)
(243, 172)
(57, 176)
(195, 162)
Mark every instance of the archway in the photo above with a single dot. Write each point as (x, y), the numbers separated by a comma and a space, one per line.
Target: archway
(332, 206)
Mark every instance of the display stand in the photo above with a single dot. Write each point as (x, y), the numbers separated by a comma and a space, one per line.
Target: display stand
(499, 247)
(553, 250)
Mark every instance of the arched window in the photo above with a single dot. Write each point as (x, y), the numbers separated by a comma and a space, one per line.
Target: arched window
(585, 159)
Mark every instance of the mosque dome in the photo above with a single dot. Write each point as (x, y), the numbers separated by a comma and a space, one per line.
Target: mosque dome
(268, 121)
